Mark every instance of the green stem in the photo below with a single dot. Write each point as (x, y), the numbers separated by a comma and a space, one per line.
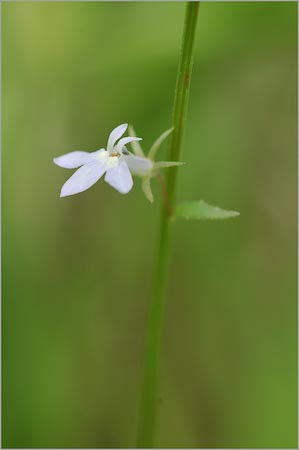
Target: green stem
(149, 394)
(182, 94)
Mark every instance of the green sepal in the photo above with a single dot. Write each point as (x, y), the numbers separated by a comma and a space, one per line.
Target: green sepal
(165, 164)
(200, 210)
(137, 149)
(147, 190)
(158, 142)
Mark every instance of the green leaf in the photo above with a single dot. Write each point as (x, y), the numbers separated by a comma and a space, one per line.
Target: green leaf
(202, 211)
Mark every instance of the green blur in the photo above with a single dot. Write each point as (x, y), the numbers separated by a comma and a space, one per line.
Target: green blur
(77, 271)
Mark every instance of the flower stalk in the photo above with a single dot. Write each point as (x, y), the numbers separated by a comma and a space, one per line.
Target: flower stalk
(149, 393)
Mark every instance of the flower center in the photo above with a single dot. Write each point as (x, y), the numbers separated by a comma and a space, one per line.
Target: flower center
(113, 160)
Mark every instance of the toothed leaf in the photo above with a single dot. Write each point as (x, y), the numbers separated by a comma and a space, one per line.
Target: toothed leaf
(201, 210)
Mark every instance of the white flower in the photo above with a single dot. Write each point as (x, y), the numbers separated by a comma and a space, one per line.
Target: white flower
(93, 165)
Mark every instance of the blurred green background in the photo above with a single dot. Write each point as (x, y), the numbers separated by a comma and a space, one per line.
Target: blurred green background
(77, 271)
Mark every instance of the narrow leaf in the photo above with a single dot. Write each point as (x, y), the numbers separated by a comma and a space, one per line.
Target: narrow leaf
(201, 210)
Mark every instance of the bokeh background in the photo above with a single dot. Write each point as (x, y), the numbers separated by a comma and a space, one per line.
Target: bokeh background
(77, 271)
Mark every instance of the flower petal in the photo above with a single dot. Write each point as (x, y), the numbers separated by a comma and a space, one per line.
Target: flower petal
(138, 165)
(73, 160)
(120, 178)
(84, 177)
(115, 135)
(122, 142)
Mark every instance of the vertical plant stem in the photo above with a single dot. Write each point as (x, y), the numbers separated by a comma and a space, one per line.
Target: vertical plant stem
(149, 393)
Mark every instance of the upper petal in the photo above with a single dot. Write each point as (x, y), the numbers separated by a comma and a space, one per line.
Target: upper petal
(75, 159)
(84, 177)
(115, 135)
(120, 178)
(122, 142)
